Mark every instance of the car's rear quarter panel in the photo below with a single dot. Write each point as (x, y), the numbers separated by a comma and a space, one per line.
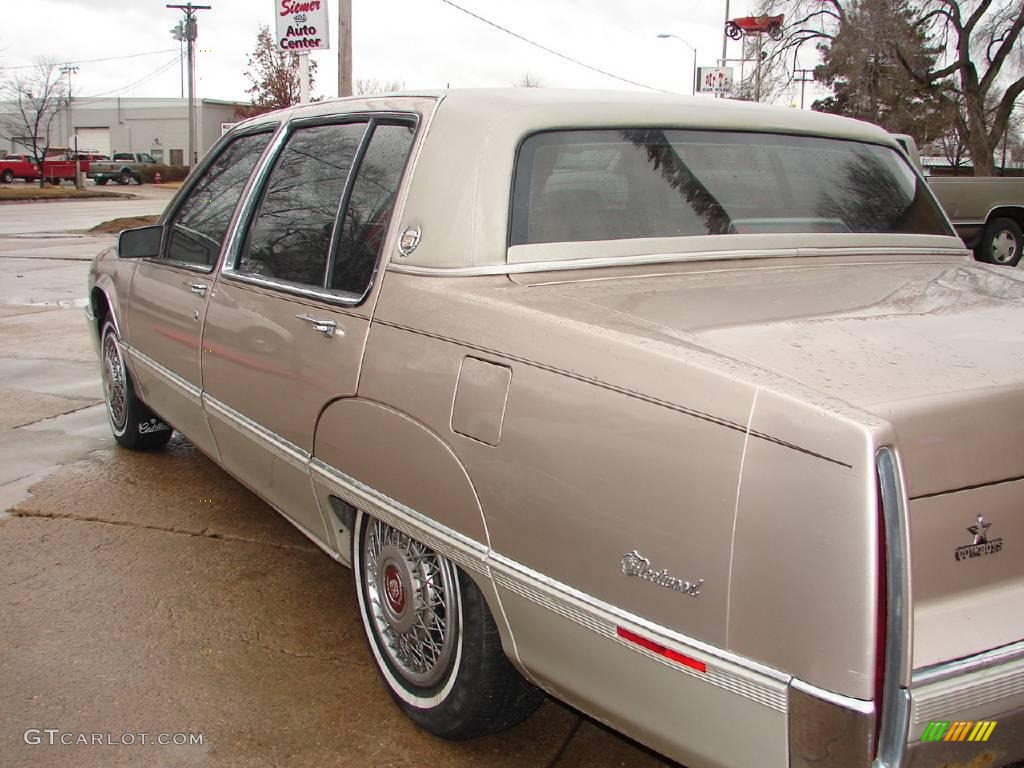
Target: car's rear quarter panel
(581, 475)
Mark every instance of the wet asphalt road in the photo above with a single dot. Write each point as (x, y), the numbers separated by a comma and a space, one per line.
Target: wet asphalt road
(150, 593)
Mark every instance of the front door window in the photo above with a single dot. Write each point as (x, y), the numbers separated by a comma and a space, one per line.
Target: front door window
(197, 229)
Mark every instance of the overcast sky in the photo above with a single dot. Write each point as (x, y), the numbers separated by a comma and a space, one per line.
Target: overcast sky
(422, 43)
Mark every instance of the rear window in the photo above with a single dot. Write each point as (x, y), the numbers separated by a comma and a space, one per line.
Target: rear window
(123, 156)
(616, 184)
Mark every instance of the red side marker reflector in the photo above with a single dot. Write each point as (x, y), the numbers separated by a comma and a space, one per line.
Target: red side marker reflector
(661, 650)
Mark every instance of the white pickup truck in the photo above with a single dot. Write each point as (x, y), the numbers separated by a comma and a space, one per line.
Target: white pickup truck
(987, 211)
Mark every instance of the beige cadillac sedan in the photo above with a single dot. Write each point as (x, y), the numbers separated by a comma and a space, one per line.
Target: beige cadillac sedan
(687, 412)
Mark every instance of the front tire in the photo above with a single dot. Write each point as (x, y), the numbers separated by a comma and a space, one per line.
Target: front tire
(134, 425)
(8, 176)
(433, 638)
(1001, 243)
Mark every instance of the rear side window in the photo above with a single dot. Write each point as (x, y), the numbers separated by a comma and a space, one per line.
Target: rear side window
(200, 224)
(616, 184)
(290, 236)
(364, 224)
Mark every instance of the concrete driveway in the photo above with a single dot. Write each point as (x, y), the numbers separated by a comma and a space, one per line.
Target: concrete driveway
(152, 594)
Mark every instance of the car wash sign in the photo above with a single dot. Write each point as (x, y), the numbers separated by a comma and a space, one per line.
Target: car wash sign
(302, 25)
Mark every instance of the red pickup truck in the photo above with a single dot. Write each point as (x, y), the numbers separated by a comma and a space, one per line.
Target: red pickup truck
(59, 169)
(18, 167)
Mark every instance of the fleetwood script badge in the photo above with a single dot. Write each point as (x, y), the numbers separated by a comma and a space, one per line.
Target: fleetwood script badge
(635, 564)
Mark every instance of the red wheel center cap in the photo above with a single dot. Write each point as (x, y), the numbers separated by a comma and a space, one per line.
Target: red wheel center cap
(393, 589)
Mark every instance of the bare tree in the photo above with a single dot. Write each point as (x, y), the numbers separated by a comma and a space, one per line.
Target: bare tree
(367, 86)
(273, 76)
(528, 80)
(977, 46)
(36, 97)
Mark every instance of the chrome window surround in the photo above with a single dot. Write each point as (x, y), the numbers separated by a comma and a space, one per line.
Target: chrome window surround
(895, 707)
(922, 181)
(238, 236)
(666, 258)
(193, 178)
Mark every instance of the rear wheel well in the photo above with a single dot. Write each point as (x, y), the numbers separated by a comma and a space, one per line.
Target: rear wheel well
(1012, 212)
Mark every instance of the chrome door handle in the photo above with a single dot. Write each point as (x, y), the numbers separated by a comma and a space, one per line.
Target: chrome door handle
(197, 288)
(327, 327)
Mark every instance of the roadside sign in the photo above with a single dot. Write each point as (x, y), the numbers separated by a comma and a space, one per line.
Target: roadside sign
(714, 79)
(302, 25)
(225, 127)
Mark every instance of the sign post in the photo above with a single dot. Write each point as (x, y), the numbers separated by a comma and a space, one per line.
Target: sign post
(73, 144)
(301, 27)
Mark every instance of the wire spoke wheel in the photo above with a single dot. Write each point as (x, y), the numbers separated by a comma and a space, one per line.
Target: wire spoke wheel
(413, 603)
(114, 381)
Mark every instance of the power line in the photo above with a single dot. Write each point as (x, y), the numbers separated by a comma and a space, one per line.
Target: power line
(145, 78)
(552, 51)
(108, 58)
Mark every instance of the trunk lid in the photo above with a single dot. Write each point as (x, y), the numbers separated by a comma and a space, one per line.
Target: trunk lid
(936, 348)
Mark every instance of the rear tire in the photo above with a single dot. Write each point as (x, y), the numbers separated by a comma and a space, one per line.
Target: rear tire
(433, 638)
(125, 177)
(134, 425)
(101, 182)
(1001, 243)
(8, 176)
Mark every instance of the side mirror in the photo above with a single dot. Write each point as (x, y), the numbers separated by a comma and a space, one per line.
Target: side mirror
(140, 243)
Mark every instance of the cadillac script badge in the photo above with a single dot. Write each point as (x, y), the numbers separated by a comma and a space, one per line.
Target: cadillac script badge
(635, 564)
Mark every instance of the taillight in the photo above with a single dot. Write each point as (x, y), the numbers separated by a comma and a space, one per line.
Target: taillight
(881, 617)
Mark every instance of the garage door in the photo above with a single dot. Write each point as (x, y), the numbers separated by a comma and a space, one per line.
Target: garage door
(94, 140)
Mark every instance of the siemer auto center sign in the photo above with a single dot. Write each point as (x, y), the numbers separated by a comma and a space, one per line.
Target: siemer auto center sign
(302, 25)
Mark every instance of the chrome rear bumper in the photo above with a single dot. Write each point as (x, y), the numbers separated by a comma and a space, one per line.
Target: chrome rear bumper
(988, 687)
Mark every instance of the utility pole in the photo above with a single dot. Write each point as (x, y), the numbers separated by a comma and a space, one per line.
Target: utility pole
(69, 70)
(725, 45)
(806, 76)
(178, 33)
(191, 32)
(344, 47)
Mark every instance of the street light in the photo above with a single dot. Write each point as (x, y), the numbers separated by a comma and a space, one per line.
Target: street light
(693, 80)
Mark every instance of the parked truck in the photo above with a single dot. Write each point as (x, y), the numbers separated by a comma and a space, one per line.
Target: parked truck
(124, 167)
(987, 211)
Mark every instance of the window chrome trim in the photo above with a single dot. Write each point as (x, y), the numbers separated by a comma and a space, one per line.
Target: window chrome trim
(895, 706)
(238, 235)
(208, 159)
(294, 289)
(167, 218)
(667, 258)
